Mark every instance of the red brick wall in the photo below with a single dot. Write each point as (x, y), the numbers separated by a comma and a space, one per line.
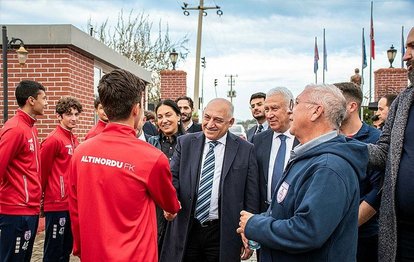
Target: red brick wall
(389, 81)
(173, 84)
(63, 72)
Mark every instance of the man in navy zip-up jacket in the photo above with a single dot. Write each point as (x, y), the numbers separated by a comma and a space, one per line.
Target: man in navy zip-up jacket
(20, 188)
(369, 188)
(314, 211)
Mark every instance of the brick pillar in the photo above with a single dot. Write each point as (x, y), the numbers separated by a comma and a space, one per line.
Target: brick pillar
(389, 81)
(173, 84)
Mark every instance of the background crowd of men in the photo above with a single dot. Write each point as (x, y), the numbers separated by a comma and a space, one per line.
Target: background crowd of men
(311, 183)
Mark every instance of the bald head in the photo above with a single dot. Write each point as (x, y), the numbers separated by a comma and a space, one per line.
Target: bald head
(217, 118)
(222, 103)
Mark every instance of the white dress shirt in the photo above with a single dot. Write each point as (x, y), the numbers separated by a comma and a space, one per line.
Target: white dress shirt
(273, 152)
(218, 163)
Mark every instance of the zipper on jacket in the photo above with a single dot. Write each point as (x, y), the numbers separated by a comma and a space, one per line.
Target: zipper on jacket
(25, 189)
(35, 146)
(62, 187)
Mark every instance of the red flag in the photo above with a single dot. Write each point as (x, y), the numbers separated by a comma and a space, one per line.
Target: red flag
(371, 35)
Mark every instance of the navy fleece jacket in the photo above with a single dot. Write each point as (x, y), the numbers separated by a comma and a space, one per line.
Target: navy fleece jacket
(314, 212)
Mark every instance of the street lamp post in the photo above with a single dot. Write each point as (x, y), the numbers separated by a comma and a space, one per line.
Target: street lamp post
(21, 56)
(173, 58)
(391, 53)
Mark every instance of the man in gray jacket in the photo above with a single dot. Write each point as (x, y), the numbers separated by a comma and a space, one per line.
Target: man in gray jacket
(395, 151)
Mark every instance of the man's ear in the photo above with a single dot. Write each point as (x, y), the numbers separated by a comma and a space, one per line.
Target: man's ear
(137, 109)
(317, 113)
(30, 100)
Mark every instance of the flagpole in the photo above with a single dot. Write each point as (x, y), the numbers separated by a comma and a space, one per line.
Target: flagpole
(315, 61)
(324, 53)
(402, 47)
(362, 72)
(370, 55)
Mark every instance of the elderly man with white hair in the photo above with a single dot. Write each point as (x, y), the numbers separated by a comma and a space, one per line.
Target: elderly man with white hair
(313, 215)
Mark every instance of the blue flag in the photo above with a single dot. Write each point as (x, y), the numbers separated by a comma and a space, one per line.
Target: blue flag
(364, 53)
(316, 57)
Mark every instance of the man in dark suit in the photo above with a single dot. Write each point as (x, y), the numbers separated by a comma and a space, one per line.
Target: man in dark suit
(257, 108)
(212, 192)
(270, 161)
(186, 106)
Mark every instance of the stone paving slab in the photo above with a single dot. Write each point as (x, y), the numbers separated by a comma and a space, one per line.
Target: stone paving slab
(40, 239)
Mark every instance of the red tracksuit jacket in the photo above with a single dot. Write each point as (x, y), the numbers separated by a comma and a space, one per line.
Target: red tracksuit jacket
(115, 182)
(97, 129)
(20, 188)
(55, 153)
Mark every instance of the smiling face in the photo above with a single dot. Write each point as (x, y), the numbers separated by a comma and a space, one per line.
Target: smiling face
(167, 120)
(185, 109)
(301, 116)
(277, 113)
(69, 120)
(217, 119)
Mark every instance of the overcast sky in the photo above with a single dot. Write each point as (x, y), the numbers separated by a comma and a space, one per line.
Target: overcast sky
(267, 43)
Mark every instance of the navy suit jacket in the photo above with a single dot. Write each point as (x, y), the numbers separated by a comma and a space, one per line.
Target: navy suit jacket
(250, 133)
(238, 190)
(263, 145)
(194, 128)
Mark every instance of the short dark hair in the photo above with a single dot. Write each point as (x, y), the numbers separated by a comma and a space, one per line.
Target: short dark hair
(175, 108)
(351, 92)
(390, 98)
(119, 91)
(26, 89)
(190, 101)
(96, 102)
(65, 104)
(257, 95)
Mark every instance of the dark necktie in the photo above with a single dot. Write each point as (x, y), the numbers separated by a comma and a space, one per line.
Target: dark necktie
(206, 185)
(259, 129)
(279, 163)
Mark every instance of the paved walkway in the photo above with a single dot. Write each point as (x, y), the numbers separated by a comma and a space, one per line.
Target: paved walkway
(38, 250)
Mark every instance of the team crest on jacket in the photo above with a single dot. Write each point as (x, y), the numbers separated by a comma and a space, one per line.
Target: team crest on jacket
(31, 144)
(27, 234)
(62, 221)
(70, 149)
(282, 192)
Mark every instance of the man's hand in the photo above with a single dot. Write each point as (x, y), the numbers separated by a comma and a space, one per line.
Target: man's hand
(246, 253)
(169, 216)
(244, 217)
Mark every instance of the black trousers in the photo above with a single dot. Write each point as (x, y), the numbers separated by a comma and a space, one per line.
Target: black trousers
(17, 237)
(58, 238)
(367, 249)
(203, 242)
(405, 241)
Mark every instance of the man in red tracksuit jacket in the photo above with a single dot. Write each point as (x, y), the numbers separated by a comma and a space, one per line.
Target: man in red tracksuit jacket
(55, 153)
(116, 180)
(20, 188)
(102, 121)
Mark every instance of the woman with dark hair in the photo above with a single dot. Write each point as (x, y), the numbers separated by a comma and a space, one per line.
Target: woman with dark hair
(168, 119)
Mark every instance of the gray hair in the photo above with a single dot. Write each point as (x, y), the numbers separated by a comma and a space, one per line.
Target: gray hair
(287, 95)
(332, 100)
